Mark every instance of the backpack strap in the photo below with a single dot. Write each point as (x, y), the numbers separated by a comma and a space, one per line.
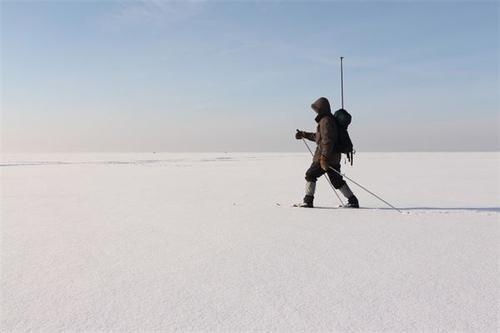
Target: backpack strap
(350, 157)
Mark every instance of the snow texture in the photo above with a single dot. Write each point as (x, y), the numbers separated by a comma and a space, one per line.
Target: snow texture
(210, 242)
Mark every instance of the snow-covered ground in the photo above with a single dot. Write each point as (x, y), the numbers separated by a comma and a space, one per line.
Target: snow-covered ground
(209, 242)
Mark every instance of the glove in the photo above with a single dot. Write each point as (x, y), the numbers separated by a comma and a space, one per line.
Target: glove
(323, 162)
(299, 135)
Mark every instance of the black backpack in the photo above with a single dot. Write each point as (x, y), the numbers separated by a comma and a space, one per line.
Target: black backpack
(344, 144)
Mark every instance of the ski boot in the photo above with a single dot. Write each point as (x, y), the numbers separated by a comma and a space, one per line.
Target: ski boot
(352, 202)
(308, 202)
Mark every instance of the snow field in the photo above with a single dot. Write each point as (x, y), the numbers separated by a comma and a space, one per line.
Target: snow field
(209, 242)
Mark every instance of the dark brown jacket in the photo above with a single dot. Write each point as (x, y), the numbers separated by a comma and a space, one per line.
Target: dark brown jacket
(326, 132)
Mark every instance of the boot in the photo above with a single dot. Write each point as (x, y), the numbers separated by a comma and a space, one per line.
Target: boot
(309, 198)
(352, 202)
(308, 202)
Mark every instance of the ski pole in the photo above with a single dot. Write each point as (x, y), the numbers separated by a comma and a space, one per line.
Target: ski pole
(367, 190)
(329, 182)
(342, 81)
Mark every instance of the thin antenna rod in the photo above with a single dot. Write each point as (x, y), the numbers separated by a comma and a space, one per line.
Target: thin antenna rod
(342, 80)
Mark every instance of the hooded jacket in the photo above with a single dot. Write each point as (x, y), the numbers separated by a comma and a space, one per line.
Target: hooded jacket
(326, 135)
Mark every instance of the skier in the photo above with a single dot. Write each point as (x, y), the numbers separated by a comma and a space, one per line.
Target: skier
(325, 155)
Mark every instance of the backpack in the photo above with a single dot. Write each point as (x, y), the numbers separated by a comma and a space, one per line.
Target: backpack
(344, 144)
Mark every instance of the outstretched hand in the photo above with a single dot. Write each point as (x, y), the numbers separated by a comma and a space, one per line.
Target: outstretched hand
(299, 135)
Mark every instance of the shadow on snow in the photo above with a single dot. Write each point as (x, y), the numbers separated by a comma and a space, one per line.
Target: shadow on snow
(436, 209)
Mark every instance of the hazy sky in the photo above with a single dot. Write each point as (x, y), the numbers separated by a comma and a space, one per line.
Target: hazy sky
(240, 76)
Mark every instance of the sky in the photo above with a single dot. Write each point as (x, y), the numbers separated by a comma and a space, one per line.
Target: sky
(143, 76)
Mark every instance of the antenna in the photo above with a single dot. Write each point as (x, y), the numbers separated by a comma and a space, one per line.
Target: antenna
(342, 80)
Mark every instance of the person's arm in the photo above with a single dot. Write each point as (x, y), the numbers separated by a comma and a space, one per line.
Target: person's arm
(310, 136)
(305, 135)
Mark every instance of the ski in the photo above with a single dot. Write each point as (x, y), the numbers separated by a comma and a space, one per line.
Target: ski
(298, 205)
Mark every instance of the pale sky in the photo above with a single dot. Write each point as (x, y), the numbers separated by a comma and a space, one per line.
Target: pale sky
(114, 76)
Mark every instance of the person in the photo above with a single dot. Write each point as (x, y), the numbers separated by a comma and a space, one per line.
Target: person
(325, 155)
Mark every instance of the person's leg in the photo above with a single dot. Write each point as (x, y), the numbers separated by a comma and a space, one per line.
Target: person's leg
(339, 183)
(312, 175)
